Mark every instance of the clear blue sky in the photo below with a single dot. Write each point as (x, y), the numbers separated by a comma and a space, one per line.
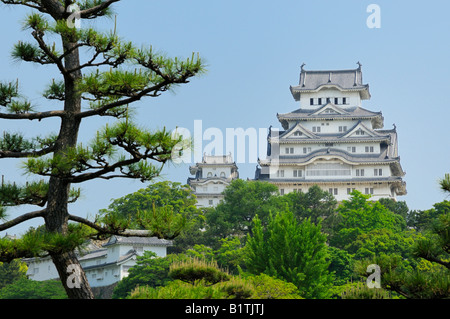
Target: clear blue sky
(254, 50)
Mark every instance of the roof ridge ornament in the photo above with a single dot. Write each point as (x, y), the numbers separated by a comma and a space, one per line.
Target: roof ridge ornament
(304, 76)
(356, 73)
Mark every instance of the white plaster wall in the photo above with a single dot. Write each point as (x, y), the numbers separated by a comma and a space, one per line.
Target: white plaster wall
(353, 98)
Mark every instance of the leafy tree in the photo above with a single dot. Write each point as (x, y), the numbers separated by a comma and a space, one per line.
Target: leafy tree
(398, 207)
(341, 265)
(161, 194)
(101, 75)
(423, 220)
(243, 200)
(382, 240)
(292, 251)
(170, 201)
(358, 216)
(315, 204)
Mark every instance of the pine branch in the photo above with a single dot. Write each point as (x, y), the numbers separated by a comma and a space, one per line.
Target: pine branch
(31, 4)
(96, 10)
(21, 219)
(111, 231)
(16, 146)
(11, 154)
(50, 54)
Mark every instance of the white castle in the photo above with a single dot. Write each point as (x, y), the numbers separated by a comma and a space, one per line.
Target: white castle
(212, 176)
(332, 141)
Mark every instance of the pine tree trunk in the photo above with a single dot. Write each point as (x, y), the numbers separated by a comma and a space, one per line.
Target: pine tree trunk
(69, 269)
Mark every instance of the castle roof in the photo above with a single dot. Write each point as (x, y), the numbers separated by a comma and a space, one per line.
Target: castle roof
(385, 157)
(343, 80)
(335, 113)
(286, 137)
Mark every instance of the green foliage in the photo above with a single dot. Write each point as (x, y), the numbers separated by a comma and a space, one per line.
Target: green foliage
(341, 265)
(435, 246)
(293, 251)
(28, 289)
(378, 241)
(39, 242)
(361, 291)
(243, 200)
(33, 193)
(411, 283)
(445, 183)
(160, 194)
(398, 207)
(194, 270)
(358, 216)
(423, 220)
(255, 287)
(104, 155)
(177, 290)
(166, 208)
(149, 271)
(266, 287)
(315, 204)
(11, 272)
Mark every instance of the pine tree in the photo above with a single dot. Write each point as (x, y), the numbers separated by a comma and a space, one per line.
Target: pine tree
(293, 251)
(115, 74)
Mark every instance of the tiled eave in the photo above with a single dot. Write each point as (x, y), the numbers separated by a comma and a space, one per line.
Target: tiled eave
(330, 139)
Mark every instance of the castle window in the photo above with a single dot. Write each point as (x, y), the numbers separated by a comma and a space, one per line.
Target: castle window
(369, 149)
(336, 100)
(297, 173)
(311, 101)
(289, 150)
(344, 100)
(378, 172)
(298, 133)
(319, 101)
(280, 173)
(360, 172)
